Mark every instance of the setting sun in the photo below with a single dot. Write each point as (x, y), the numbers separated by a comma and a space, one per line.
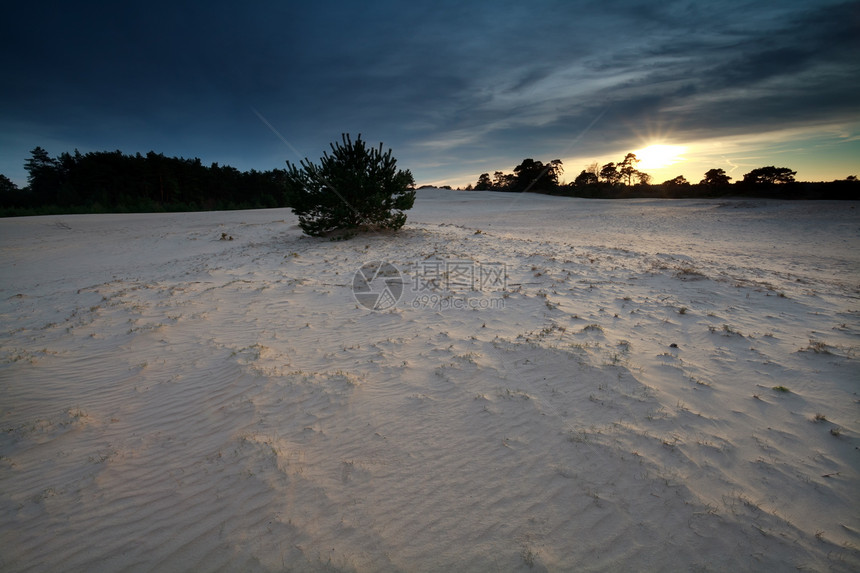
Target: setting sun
(659, 156)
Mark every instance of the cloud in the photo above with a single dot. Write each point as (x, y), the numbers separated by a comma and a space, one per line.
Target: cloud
(449, 82)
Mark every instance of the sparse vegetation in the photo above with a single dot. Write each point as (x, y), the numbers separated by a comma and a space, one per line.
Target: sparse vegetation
(817, 347)
(528, 556)
(726, 330)
(578, 437)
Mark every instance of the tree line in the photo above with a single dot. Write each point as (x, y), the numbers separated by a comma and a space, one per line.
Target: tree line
(110, 181)
(624, 180)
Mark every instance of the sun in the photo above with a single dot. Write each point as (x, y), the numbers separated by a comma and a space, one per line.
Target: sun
(658, 156)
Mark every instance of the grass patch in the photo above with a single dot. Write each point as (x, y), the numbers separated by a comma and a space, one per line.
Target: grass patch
(725, 330)
(817, 347)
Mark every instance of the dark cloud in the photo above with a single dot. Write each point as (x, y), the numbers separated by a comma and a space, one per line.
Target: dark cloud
(451, 84)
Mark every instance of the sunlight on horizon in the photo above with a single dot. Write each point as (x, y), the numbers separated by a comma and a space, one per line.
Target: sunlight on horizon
(658, 156)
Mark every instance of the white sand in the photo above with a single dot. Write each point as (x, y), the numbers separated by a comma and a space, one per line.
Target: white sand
(173, 402)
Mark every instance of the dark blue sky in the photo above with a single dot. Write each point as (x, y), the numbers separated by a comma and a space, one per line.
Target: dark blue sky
(455, 88)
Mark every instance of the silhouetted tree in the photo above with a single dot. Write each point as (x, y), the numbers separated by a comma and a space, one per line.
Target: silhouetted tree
(679, 181)
(585, 178)
(503, 181)
(356, 187)
(627, 168)
(715, 178)
(484, 183)
(609, 173)
(7, 185)
(557, 168)
(642, 178)
(528, 171)
(535, 175)
(43, 176)
(770, 176)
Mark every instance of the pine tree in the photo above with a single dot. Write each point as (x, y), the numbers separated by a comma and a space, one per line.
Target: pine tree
(355, 188)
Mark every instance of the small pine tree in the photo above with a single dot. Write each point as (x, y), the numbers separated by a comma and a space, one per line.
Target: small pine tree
(354, 188)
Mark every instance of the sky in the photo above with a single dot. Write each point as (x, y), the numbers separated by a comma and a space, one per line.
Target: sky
(454, 88)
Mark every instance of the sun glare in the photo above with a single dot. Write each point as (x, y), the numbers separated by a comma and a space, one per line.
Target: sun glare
(658, 156)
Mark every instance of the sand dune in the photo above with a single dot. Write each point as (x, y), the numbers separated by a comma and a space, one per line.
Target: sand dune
(655, 385)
